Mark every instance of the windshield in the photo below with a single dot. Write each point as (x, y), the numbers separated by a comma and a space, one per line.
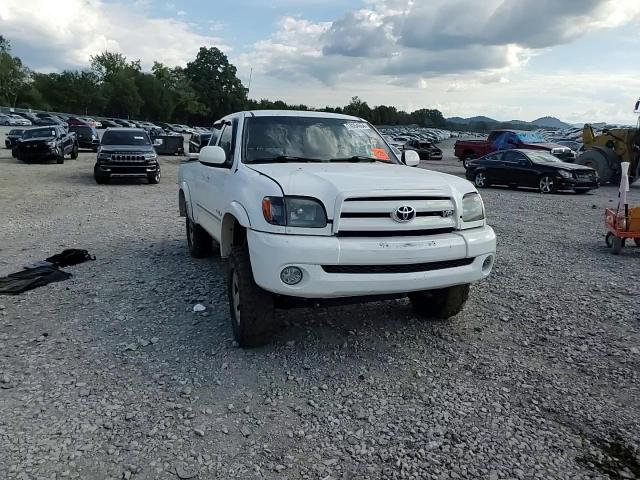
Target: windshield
(39, 133)
(312, 139)
(530, 137)
(543, 157)
(120, 137)
(15, 132)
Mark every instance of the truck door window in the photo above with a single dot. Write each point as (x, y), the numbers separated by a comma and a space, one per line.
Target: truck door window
(226, 143)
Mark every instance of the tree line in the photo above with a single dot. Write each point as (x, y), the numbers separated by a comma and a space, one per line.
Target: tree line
(206, 89)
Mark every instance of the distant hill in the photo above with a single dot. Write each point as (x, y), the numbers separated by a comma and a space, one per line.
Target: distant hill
(543, 122)
(550, 122)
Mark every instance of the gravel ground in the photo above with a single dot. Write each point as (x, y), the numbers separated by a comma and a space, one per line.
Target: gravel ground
(111, 375)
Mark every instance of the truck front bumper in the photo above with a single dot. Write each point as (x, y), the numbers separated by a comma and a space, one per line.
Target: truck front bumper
(334, 267)
(123, 170)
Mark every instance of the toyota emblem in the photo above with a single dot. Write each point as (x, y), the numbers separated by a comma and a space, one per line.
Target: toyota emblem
(404, 214)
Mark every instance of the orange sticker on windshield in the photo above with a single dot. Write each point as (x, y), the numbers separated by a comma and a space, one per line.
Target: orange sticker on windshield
(380, 154)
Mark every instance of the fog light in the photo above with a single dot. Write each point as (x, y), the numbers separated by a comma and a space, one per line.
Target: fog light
(291, 275)
(488, 263)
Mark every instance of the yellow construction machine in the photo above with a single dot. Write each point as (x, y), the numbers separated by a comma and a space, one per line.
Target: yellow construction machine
(605, 152)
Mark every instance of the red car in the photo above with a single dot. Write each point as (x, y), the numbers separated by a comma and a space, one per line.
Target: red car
(467, 150)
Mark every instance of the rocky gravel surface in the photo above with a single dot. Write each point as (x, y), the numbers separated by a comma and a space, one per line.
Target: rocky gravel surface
(114, 374)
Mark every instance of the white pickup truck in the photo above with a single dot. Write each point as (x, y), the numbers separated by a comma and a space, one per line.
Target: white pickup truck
(310, 207)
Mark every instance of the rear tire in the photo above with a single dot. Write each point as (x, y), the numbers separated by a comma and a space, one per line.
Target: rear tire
(199, 241)
(74, 152)
(466, 159)
(251, 308)
(617, 244)
(480, 179)
(547, 184)
(443, 304)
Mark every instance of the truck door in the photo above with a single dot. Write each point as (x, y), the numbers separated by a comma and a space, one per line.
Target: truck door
(211, 193)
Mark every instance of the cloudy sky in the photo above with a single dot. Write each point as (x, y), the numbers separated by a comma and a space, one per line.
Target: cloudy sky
(578, 60)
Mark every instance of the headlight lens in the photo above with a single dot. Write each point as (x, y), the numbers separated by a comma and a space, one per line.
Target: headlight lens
(51, 144)
(104, 156)
(565, 174)
(294, 212)
(472, 208)
(150, 156)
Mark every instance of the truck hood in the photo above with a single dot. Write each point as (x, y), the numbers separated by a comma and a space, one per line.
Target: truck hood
(326, 181)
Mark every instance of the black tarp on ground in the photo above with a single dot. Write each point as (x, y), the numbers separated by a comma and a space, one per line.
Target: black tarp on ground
(16, 283)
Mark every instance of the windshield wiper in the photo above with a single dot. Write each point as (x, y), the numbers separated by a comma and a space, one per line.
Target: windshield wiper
(359, 158)
(285, 159)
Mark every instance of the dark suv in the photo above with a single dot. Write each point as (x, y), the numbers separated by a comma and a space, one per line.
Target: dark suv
(46, 143)
(126, 152)
(87, 136)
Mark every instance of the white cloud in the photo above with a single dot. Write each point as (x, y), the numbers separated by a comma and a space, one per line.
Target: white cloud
(466, 56)
(65, 33)
(182, 13)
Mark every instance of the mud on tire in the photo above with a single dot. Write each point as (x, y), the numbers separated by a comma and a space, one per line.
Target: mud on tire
(251, 308)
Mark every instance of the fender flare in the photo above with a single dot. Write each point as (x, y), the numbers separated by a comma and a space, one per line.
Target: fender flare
(240, 213)
(235, 213)
(186, 209)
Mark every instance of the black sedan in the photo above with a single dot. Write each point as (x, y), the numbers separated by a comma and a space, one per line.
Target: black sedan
(531, 168)
(426, 150)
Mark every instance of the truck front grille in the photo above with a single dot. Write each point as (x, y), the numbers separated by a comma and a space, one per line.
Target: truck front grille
(127, 158)
(411, 268)
(374, 216)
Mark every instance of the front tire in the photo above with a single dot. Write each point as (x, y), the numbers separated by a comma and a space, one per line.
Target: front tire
(547, 184)
(155, 178)
(199, 241)
(444, 303)
(74, 152)
(252, 308)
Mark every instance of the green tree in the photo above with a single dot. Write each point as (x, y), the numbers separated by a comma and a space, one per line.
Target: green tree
(158, 101)
(107, 64)
(215, 82)
(123, 98)
(13, 74)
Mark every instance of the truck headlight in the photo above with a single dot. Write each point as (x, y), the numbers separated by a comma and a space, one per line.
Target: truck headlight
(51, 144)
(150, 156)
(103, 157)
(472, 208)
(565, 174)
(300, 212)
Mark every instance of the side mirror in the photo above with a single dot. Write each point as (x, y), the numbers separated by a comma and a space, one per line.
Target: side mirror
(411, 158)
(523, 163)
(212, 156)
